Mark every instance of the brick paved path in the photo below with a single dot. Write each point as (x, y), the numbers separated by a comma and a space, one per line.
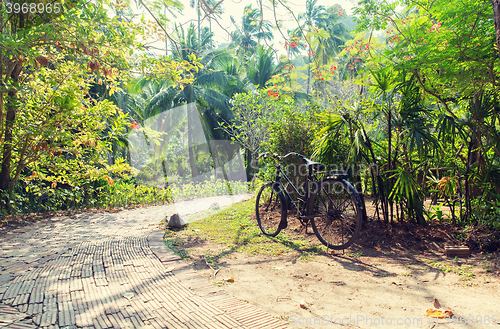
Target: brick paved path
(111, 270)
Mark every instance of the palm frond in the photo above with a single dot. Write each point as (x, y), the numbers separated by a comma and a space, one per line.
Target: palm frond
(219, 102)
(164, 100)
(214, 78)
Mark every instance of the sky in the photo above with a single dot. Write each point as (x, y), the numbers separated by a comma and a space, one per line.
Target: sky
(235, 8)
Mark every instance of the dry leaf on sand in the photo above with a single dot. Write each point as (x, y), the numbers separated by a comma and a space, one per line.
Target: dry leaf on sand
(438, 314)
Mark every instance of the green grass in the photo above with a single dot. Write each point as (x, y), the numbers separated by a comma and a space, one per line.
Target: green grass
(234, 230)
(355, 254)
(173, 244)
(463, 271)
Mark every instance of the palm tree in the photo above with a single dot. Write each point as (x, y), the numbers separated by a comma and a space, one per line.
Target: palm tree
(189, 42)
(253, 29)
(313, 15)
(208, 96)
(260, 68)
(327, 19)
(337, 33)
(203, 96)
(236, 73)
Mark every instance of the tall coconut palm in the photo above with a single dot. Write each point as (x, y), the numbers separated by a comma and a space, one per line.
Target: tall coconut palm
(313, 14)
(236, 72)
(338, 33)
(253, 29)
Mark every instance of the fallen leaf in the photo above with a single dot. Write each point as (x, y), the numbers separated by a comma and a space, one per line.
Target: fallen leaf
(230, 280)
(436, 303)
(438, 314)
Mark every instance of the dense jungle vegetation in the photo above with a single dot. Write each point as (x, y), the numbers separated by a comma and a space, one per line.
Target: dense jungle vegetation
(103, 107)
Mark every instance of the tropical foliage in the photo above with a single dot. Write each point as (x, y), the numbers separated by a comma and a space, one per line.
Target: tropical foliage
(91, 115)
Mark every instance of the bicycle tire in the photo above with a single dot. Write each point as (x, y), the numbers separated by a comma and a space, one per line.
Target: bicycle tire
(270, 209)
(339, 210)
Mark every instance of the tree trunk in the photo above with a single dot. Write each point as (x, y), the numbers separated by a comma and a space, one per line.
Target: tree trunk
(496, 17)
(230, 161)
(309, 74)
(240, 161)
(359, 188)
(198, 12)
(389, 159)
(248, 156)
(223, 168)
(470, 162)
(380, 181)
(6, 185)
(192, 164)
(164, 168)
(190, 107)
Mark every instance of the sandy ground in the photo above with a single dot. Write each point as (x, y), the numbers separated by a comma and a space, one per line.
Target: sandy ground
(363, 288)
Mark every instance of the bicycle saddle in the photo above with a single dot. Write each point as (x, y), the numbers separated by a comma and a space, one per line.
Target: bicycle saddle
(311, 165)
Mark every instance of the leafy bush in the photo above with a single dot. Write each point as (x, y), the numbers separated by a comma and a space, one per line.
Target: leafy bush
(105, 193)
(487, 212)
(293, 131)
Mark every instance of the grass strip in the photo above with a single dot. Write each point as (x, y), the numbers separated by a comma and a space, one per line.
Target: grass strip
(233, 229)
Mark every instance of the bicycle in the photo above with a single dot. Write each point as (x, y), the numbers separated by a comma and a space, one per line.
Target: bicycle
(330, 204)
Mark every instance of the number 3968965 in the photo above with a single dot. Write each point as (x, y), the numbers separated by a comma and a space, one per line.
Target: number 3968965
(33, 7)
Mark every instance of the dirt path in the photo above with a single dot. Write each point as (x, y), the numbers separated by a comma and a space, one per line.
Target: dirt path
(340, 288)
(364, 288)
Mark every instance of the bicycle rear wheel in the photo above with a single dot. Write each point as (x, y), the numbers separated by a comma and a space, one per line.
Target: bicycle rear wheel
(271, 209)
(339, 212)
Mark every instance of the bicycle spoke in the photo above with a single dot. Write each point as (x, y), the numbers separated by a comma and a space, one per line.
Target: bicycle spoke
(338, 221)
(270, 201)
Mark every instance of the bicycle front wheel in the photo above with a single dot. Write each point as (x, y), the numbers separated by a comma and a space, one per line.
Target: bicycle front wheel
(270, 209)
(339, 213)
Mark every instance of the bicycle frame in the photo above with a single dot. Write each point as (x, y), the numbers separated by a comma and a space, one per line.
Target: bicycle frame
(311, 177)
(285, 192)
